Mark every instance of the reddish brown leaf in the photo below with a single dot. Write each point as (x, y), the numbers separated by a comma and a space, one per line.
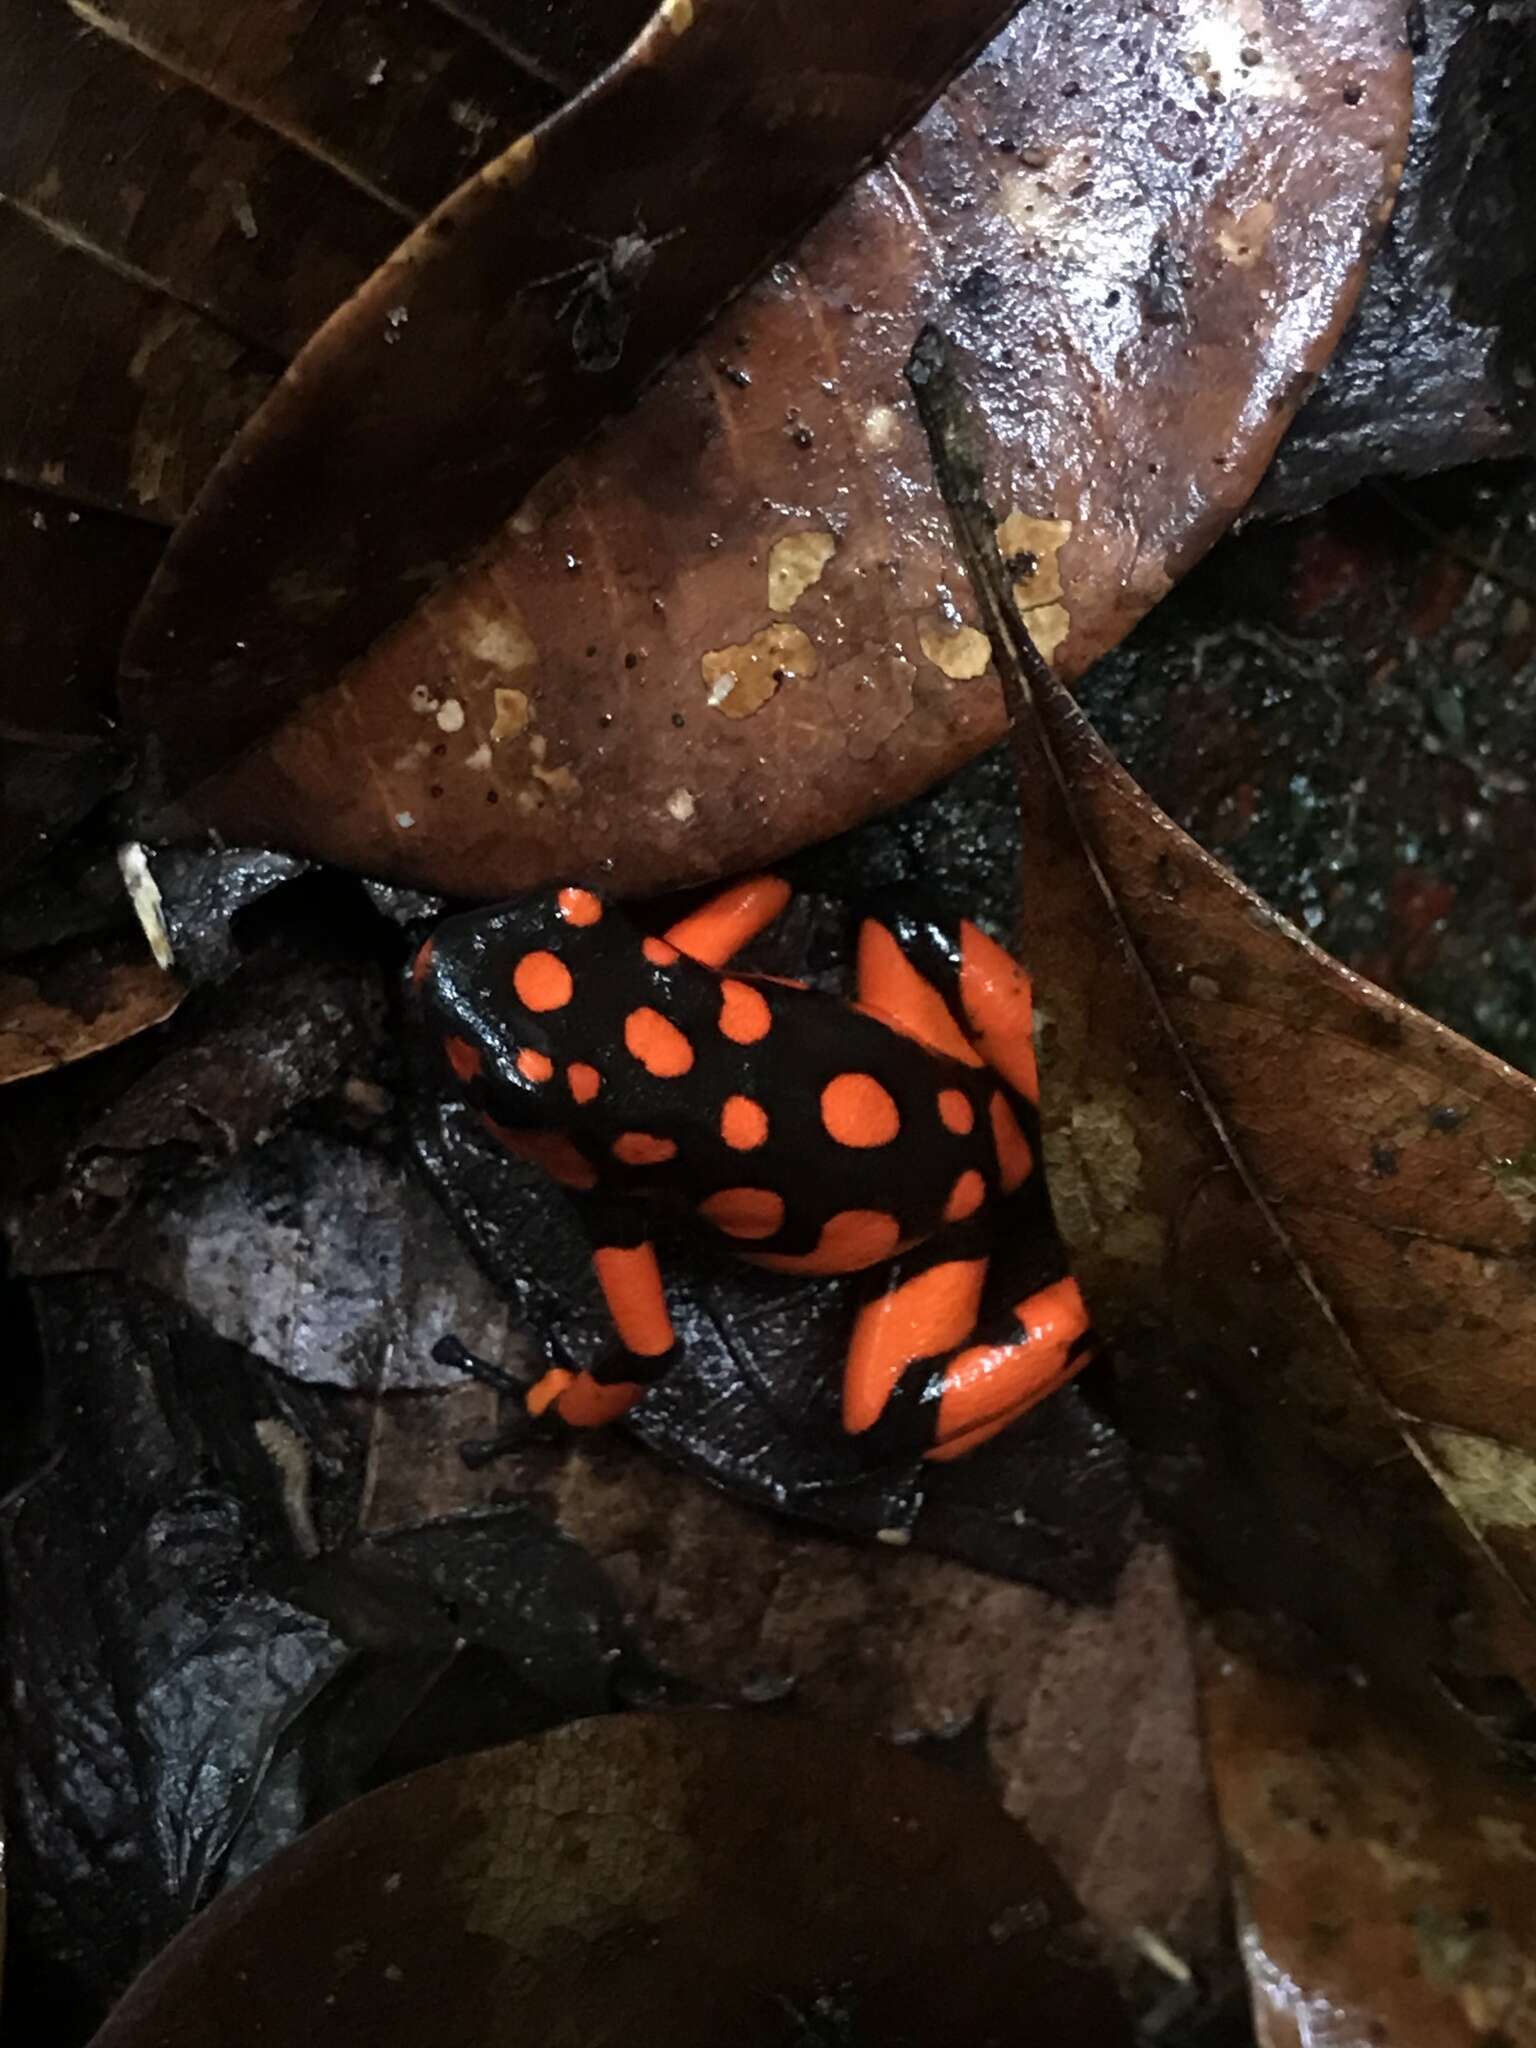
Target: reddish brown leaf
(1220, 1096)
(1384, 1886)
(708, 1876)
(1142, 270)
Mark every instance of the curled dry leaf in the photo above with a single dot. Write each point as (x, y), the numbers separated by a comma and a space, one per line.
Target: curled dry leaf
(1313, 1191)
(1146, 231)
(78, 1000)
(734, 1877)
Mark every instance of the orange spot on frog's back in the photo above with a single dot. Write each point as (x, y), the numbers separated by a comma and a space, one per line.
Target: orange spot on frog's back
(551, 1150)
(744, 1013)
(858, 1111)
(579, 906)
(743, 1123)
(542, 981)
(642, 1148)
(657, 1044)
(744, 1212)
(965, 1197)
(955, 1111)
(849, 1241)
(658, 952)
(583, 1081)
(535, 1066)
(421, 966)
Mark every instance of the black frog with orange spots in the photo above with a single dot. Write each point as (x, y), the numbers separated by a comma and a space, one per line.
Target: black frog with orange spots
(895, 1135)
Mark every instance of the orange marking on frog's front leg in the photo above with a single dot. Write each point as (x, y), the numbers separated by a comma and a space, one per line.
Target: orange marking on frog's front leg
(723, 925)
(988, 1385)
(631, 1282)
(624, 1261)
(919, 1316)
(999, 1006)
(585, 1402)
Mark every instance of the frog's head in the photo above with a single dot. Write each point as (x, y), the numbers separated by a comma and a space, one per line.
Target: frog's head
(497, 989)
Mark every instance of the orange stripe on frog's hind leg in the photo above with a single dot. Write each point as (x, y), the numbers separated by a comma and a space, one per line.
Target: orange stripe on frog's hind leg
(999, 1009)
(891, 985)
(723, 925)
(989, 1385)
(920, 1314)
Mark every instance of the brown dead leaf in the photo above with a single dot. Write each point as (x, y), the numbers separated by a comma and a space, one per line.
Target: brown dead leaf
(712, 1876)
(1385, 1888)
(555, 283)
(75, 1002)
(1074, 218)
(1219, 1097)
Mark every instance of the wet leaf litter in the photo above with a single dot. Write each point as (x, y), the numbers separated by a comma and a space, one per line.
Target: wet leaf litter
(386, 1608)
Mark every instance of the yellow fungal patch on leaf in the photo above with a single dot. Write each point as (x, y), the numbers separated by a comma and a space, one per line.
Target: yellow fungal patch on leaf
(1049, 625)
(962, 652)
(795, 562)
(741, 679)
(513, 711)
(1492, 1484)
(1242, 237)
(1033, 545)
(502, 642)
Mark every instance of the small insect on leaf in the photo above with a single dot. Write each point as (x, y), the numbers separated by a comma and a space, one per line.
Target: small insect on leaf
(598, 306)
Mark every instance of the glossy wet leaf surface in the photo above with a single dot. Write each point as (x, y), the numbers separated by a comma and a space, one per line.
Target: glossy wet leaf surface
(752, 567)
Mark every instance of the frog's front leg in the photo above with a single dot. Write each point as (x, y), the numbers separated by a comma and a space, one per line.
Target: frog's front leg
(624, 1260)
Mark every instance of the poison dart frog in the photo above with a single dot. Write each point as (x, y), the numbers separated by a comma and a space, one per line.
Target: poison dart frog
(896, 1135)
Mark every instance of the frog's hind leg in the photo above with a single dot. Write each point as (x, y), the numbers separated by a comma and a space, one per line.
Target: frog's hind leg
(927, 1304)
(727, 922)
(954, 988)
(944, 1402)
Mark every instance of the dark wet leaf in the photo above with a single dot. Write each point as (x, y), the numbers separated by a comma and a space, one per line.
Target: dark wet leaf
(188, 192)
(712, 1876)
(1344, 708)
(152, 1675)
(753, 563)
(1438, 367)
